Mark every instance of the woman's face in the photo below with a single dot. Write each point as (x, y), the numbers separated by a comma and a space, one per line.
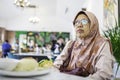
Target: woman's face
(82, 26)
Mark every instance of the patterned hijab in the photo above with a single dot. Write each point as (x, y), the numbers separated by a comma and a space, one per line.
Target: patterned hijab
(85, 55)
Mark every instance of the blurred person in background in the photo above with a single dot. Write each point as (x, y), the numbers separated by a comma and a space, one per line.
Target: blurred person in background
(16, 46)
(47, 48)
(53, 45)
(6, 47)
(38, 49)
(31, 45)
(61, 43)
(90, 55)
(53, 36)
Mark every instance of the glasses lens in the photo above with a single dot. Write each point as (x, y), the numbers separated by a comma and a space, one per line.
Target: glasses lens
(84, 21)
(77, 22)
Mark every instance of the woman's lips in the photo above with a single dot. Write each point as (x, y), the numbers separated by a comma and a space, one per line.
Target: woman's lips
(80, 31)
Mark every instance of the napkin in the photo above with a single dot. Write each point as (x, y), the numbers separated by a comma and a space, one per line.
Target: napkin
(8, 64)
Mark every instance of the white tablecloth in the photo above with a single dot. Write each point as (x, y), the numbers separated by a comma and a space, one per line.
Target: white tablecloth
(53, 75)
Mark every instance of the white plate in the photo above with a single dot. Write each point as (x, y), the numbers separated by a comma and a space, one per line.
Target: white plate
(24, 74)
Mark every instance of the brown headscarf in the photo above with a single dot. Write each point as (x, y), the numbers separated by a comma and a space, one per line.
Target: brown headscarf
(86, 53)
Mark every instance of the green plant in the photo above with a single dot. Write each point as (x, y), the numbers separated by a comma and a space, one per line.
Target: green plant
(114, 35)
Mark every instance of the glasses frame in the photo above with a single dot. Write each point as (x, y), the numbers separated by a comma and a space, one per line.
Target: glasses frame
(82, 21)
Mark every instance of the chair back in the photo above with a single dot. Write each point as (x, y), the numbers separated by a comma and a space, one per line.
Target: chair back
(11, 55)
(116, 71)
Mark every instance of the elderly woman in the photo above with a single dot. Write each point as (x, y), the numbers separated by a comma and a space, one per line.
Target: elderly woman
(90, 55)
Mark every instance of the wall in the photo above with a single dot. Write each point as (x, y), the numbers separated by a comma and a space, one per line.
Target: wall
(2, 23)
(2, 34)
(71, 7)
(10, 35)
(2, 38)
(62, 20)
(46, 24)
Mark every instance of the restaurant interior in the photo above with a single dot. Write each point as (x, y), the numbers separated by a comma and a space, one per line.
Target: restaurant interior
(32, 24)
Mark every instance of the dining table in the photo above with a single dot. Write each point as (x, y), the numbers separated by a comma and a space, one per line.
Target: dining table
(38, 57)
(53, 74)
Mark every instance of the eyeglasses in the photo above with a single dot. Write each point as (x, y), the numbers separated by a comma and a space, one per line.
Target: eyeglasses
(83, 22)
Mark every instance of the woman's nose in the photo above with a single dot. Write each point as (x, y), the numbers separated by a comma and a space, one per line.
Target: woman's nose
(80, 25)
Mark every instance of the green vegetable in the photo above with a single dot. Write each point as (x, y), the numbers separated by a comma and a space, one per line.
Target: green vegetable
(45, 63)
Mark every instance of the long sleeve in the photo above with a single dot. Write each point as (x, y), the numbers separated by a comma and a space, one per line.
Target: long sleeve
(64, 54)
(104, 65)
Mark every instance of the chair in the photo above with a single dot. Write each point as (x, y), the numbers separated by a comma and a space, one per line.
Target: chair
(10, 55)
(116, 76)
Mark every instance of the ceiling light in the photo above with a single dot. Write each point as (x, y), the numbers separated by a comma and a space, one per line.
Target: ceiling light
(34, 19)
(22, 3)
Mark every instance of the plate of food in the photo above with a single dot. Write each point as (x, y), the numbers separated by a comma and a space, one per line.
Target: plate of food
(26, 67)
(24, 73)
